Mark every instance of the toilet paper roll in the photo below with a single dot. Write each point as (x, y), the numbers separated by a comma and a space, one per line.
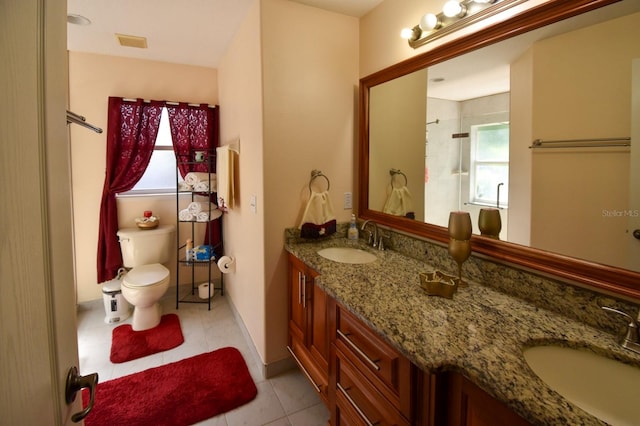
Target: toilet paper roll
(226, 264)
(203, 291)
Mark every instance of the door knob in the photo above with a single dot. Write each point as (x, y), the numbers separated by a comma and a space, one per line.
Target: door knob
(75, 382)
(636, 234)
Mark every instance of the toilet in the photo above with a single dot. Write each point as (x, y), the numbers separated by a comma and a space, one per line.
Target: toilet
(147, 280)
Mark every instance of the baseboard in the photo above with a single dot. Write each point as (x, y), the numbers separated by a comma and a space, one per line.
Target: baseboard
(268, 370)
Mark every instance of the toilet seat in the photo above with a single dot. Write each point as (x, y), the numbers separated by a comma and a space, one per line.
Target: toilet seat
(146, 276)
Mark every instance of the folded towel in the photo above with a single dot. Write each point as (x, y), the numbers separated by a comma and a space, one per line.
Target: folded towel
(185, 215)
(399, 202)
(225, 176)
(193, 178)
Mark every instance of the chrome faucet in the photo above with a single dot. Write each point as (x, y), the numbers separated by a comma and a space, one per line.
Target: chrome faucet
(631, 339)
(372, 240)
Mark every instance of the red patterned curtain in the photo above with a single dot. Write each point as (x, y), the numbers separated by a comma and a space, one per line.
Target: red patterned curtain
(193, 128)
(131, 135)
(196, 128)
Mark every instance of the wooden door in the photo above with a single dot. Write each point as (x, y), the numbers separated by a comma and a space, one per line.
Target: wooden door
(37, 309)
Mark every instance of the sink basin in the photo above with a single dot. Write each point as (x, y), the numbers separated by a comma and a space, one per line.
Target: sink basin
(603, 387)
(347, 255)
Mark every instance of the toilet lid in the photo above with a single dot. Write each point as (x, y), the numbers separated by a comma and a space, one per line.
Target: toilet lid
(145, 275)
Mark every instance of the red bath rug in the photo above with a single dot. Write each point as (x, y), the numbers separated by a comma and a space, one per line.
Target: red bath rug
(181, 393)
(127, 344)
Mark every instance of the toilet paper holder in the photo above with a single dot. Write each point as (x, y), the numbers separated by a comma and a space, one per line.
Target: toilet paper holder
(226, 264)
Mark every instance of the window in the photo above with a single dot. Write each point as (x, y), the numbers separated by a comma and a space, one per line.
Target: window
(490, 164)
(160, 176)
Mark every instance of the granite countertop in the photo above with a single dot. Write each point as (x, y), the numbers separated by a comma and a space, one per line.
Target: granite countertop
(480, 333)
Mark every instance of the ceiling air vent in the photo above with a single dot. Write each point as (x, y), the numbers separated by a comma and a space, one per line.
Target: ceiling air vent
(132, 41)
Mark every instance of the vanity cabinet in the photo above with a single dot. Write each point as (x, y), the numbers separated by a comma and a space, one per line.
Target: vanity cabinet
(364, 380)
(470, 405)
(308, 337)
(371, 377)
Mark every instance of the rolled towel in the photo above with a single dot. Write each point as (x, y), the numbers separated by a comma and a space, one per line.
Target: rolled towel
(184, 186)
(204, 216)
(192, 178)
(197, 207)
(185, 215)
(205, 185)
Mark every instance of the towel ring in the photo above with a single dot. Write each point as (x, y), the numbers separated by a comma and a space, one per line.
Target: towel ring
(315, 174)
(394, 172)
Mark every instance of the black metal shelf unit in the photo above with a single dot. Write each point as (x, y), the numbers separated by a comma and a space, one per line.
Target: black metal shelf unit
(188, 292)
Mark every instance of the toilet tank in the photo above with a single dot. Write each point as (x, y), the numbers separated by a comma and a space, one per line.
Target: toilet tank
(146, 246)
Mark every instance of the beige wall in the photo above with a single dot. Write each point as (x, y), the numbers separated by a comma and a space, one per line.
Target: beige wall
(92, 79)
(398, 111)
(289, 82)
(595, 104)
(380, 42)
(240, 80)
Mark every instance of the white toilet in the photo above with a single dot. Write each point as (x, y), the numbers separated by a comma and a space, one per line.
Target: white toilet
(147, 280)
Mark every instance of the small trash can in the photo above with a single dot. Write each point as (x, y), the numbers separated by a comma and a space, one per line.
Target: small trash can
(115, 305)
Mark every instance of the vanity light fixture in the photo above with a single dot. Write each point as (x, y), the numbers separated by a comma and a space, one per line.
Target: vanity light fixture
(456, 14)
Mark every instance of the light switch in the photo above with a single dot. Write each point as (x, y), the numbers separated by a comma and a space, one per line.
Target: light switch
(348, 200)
(253, 203)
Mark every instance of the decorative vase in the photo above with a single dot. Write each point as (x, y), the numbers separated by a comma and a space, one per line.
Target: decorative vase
(490, 223)
(460, 240)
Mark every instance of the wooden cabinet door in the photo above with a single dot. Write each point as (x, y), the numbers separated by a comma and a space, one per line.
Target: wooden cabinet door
(298, 290)
(319, 332)
(471, 406)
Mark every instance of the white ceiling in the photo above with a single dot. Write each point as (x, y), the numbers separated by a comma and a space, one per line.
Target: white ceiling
(194, 32)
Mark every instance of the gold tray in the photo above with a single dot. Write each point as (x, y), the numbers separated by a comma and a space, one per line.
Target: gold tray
(436, 283)
(148, 225)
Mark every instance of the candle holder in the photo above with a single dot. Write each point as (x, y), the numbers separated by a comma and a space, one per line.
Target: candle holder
(490, 223)
(460, 240)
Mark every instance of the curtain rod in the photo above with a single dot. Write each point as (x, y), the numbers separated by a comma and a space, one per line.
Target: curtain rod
(74, 118)
(167, 102)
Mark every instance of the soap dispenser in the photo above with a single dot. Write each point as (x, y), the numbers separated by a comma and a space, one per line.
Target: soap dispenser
(352, 234)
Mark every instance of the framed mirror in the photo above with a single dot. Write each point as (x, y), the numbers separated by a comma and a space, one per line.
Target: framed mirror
(560, 71)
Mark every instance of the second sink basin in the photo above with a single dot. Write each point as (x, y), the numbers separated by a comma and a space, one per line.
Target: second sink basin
(347, 255)
(606, 388)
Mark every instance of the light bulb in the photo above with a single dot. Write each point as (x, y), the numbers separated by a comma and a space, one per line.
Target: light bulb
(407, 33)
(429, 22)
(453, 9)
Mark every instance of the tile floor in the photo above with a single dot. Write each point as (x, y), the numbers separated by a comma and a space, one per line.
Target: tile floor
(287, 399)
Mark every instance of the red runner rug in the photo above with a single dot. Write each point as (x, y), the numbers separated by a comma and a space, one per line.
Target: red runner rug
(127, 344)
(181, 393)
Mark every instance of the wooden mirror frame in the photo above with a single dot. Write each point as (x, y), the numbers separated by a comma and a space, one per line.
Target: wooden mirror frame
(606, 278)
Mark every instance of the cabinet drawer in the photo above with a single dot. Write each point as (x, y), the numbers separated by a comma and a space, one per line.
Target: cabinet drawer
(387, 369)
(357, 398)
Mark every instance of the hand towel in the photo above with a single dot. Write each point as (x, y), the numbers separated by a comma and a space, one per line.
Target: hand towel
(399, 202)
(318, 219)
(225, 177)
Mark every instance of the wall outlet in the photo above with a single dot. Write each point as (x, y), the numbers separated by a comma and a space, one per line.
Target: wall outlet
(253, 203)
(348, 200)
